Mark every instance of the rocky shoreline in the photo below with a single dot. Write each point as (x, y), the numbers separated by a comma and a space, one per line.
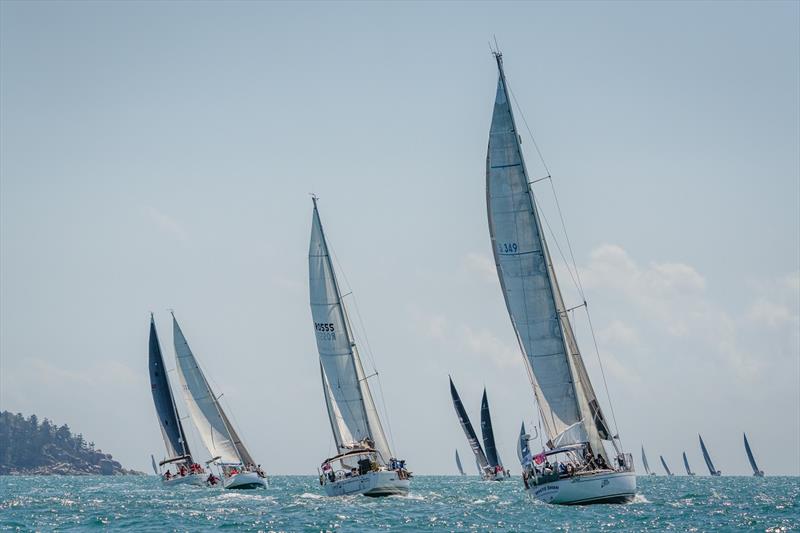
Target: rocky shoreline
(66, 469)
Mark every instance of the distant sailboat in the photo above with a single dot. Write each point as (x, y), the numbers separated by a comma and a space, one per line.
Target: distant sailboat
(756, 471)
(356, 425)
(488, 440)
(186, 472)
(570, 412)
(646, 466)
(686, 464)
(711, 470)
(481, 461)
(239, 470)
(458, 465)
(664, 464)
(523, 447)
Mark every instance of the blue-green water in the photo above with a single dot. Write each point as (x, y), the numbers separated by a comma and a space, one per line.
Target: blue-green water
(295, 503)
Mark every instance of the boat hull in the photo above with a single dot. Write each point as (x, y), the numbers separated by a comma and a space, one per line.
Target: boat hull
(197, 480)
(381, 483)
(610, 487)
(244, 481)
(758, 474)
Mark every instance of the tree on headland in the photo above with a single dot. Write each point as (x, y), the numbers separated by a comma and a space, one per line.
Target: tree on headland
(28, 447)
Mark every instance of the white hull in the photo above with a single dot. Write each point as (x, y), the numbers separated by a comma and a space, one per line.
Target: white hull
(611, 487)
(245, 480)
(198, 480)
(381, 483)
(495, 477)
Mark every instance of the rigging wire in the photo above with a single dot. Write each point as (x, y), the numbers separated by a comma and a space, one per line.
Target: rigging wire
(576, 280)
(363, 333)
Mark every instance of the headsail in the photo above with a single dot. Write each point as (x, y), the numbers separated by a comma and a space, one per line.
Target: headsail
(686, 464)
(170, 423)
(664, 464)
(352, 410)
(488, 434)
(212, 424)
(458, 464)
(555, 367)
(711, 469)
(644, 462)
(753, 465)
(466, 425)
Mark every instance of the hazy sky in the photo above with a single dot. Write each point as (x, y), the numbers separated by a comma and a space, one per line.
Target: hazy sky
(160, 155)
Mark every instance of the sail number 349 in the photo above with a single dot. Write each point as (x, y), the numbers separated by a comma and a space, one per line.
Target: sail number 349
(507, 247)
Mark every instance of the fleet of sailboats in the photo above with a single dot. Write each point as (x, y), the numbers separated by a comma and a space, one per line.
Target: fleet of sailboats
(363, 462)
(575, 465)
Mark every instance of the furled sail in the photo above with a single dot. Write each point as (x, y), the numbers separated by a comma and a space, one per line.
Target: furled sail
(466, 425)
(212, 424)
(644, 462)
(354, 417)
(711, 469)
(753, 465)
(686, 464)
(664, 464)
(458, 464)
(170, 423)
(488, 434)
(563, 391)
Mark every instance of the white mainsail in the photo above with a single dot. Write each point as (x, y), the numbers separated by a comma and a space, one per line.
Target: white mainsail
(216, 431)
(569, 408)
(351, 409)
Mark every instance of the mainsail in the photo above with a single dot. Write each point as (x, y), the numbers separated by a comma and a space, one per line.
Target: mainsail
(711, 469)
(644, 462)
(170, 423)
(466, 425)
(488, 434)
(686, 464)
(458, 464)
(750, 457)
(523, 446)
(216, 431)
(567, 402)
(351, 409)
(664, 464)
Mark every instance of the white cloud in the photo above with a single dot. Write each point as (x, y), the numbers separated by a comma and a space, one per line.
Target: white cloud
(484, 343)
(482, 265)
(166, 224)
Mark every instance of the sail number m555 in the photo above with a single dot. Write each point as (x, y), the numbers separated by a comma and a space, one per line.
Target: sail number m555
(507, 247)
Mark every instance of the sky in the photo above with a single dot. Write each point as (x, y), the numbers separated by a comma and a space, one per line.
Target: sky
(159, 156)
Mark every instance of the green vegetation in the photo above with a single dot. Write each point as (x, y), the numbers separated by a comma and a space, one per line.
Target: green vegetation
(28, 447)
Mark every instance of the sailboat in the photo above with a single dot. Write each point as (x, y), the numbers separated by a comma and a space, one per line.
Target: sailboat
(573, 421)
(228, 452)
(686, 464)
(523, 447)
(753, 465)
(646, 466)
(364, 463)
(492, 454)
(711, 470)
(458, 464)
(664, 464)
(178, 454)
(481, 461)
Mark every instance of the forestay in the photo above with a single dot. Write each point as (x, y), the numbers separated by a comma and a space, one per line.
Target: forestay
(351, 408)
(561, 384)
(212, 424)
(171, 428)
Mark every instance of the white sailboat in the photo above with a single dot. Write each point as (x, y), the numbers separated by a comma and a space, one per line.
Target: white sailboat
(364, 463)
(238, 469)
(187, 472)
(570, 413)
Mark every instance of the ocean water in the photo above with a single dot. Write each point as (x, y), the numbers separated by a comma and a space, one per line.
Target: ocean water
(437, 503)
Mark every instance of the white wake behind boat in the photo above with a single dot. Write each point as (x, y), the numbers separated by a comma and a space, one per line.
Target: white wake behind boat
(583, 471)
(364, 463)
(237, 467)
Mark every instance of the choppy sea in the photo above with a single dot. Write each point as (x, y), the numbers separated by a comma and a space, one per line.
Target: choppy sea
(436, 503)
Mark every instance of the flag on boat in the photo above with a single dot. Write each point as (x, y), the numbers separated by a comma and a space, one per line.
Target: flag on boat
(539, 458)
